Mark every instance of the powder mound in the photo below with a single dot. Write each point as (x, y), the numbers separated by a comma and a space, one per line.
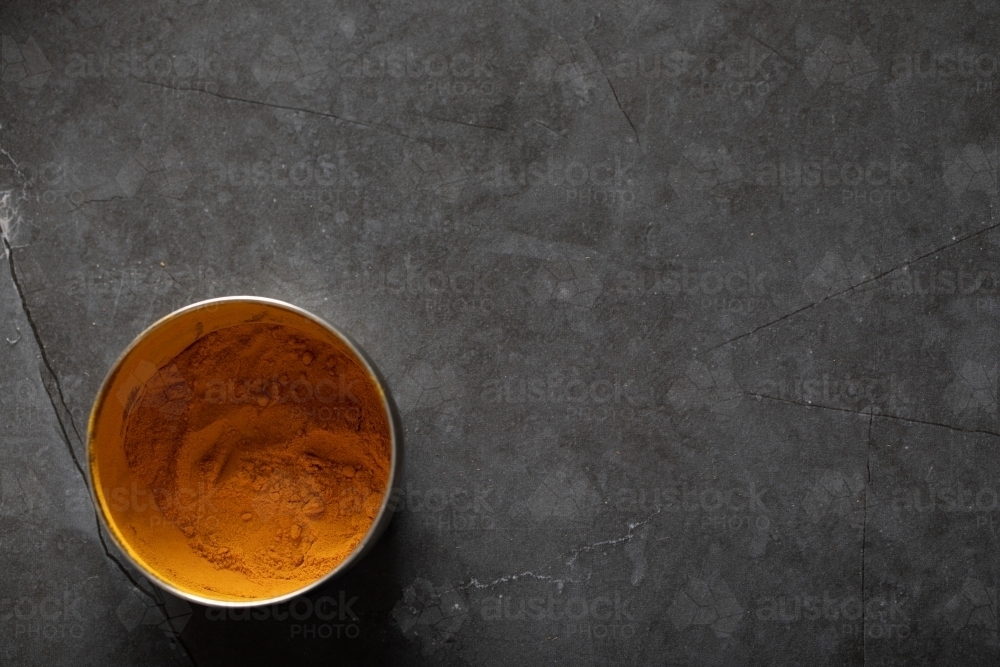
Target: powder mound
(267, 448)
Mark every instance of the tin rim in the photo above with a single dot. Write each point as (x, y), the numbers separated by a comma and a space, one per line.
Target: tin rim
(395, 468)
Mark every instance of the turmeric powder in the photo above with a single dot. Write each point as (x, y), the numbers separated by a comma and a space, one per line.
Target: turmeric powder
(260, 449)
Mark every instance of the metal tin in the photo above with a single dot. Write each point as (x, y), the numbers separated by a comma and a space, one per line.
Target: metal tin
(165, 339)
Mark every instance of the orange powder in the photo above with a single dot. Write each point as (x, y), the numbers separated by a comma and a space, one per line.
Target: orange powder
(266, 453)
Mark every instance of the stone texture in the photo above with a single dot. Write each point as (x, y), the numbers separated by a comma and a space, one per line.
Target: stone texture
(690, 310)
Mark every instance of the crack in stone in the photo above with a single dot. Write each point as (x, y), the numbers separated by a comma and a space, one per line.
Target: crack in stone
(617, 101)
(864, 537)
(324, 114)
(852, 287)
(613, 542)
(17, 169)
(54, 379)
(60, 397)
(538, 122)
(475, 583)
(461, 122)
(12, 160)
(574, 553)
(622, 109)
(773, 50)
(8, 225)
(881, 415)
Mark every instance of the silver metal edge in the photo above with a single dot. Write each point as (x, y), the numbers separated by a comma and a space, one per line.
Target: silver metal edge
(386, 510)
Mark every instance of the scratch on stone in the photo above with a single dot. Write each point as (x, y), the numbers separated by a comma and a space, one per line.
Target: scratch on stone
(615, 94)
(114, 311)
(880, 415)
(324, 114)
(622, 109)
(538, 122)
(852, 287)
(462, 122)
(864, 535)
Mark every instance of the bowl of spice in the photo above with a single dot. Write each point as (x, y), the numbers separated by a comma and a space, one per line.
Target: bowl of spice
(242, 451)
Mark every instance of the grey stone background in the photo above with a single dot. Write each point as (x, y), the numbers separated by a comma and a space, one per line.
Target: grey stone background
(690, 309)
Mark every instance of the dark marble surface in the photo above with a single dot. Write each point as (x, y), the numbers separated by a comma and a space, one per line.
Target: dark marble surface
(690, 310)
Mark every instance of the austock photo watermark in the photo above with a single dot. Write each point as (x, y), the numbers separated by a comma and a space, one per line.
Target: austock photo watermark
(441, 291)
(329, 399)
(975, 71)
(574, 617)
(752, 506)
(30, 66)
(850, 63)
(330, 176)
(833, 390)
(452, 509)
(161, 169)
(197, 71)
(440, 509)
(327, 172)
(880, 180)
(326, 617)
(978, 284)
(53, 616)
(436, 75)
(709, 507)
(748, 74)
(711, 602)
(874, 617)
(615, 399)
(739, 288)
(978, 502)
(608, 182)
(742, 289)
(150, 168)
(860, 181)
(750, 71)
(281, 60)
(443, 75)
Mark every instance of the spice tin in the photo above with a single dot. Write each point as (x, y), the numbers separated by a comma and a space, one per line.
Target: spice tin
(160, 343)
